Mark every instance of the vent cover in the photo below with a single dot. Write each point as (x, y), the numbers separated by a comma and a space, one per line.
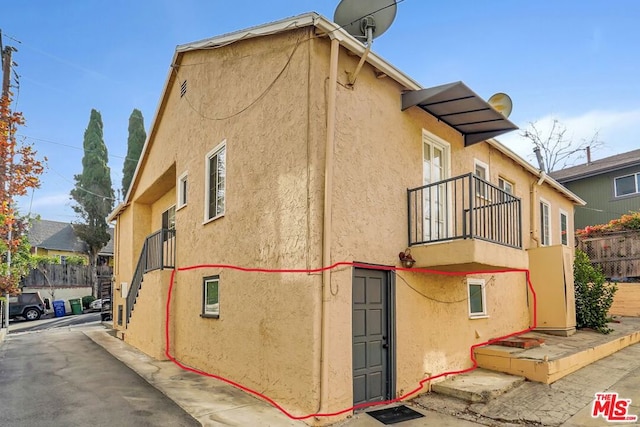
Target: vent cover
(183, 88)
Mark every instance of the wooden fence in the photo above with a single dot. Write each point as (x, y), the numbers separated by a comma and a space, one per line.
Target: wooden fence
(616, 253)
(61, 275)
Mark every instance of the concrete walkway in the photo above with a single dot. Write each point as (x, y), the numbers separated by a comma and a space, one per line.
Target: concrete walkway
(567, 402)
(211, 402)
(214, 403)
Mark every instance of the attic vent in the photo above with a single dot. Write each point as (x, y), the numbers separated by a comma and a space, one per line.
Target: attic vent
(183, 88)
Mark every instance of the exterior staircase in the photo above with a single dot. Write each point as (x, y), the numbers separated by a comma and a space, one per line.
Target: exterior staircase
(158, 253)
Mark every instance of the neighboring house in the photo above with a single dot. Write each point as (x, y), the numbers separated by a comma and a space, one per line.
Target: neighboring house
(63, 281)
(58, 239)
(610, 186)
(262, 155)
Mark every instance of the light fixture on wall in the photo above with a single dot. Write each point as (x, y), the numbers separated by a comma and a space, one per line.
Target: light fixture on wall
(406, 259)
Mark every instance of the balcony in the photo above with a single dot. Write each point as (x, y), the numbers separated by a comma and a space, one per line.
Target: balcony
(465, 224)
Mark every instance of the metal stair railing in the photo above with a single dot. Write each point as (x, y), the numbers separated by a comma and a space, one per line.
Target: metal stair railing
(158, 253)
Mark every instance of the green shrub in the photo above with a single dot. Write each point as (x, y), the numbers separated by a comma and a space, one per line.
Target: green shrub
(43, 260)
(76, 260)
(593, 295)
(86, 300)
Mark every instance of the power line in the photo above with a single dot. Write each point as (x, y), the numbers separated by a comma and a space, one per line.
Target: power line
(74, 147)
(436, 299)
(256, 100)
(76, 186)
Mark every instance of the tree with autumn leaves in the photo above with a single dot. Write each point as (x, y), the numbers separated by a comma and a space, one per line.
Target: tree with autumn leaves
(20, 170)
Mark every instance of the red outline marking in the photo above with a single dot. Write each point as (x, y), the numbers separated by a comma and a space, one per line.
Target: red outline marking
(318, 270)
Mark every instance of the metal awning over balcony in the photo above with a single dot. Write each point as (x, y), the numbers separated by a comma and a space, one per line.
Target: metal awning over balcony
(462, 109)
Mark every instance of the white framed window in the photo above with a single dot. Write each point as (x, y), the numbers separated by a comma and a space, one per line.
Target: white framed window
(505, 185)
(626, 185)
(215, 185)
(545, 223)
(481, 170)
(564, 227)
(182, 190)
(169, 218)
(477, 298)
(211, 296)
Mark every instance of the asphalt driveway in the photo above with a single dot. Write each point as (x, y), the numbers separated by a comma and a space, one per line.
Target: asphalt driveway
(60, 377)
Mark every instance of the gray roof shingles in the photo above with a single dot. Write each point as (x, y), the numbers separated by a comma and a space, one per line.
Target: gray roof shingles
(597, 167)
(55, 235)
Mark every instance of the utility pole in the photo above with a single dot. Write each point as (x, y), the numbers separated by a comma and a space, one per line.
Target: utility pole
(6, 83)
(6, 70)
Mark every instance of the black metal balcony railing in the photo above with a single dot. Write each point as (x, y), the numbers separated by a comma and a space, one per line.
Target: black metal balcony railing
(158, 252)
(464, 207)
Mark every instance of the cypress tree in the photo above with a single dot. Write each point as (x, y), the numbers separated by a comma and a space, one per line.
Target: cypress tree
(93, 192)
(137, 137)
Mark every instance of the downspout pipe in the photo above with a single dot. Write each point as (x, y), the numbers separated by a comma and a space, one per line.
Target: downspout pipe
(327, 223)
(534, 215)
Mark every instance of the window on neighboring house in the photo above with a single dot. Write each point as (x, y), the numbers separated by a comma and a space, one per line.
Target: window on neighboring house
(216, 182)
(169, 219)
(625, 185)
(477, 298)
(564, 227)
(182, 190)
(211, 297)
(481, 171)
(545, 223)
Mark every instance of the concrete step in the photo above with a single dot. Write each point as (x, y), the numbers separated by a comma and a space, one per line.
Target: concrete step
(558, 356)
(479, 385)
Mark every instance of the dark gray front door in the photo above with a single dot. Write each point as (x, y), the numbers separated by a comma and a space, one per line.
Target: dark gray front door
(371, 325)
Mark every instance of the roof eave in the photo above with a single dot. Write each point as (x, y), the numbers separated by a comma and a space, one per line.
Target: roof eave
(300, 21)
(536, 172)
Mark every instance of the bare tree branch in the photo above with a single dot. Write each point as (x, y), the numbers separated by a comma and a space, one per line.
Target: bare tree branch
(557, 149)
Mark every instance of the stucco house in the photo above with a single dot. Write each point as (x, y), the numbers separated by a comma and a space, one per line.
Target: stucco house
(268, 151)
(610, 186)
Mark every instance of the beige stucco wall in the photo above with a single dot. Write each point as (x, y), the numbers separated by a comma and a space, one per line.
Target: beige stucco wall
(378, 156)
(146, 329)
(626, 300)
(268, 333)
(265, 337)
(552, 280)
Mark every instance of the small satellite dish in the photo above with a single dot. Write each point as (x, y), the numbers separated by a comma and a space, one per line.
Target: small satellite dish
(501, 102)
(365, 20)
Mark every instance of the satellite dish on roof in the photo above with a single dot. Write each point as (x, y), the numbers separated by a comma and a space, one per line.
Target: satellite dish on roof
(365, 19)
(501, 102)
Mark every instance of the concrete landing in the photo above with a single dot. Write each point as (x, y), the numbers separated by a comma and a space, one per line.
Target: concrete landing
(559, 356)
(477, 386)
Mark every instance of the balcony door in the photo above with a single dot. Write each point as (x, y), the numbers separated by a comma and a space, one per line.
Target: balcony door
(435, 198)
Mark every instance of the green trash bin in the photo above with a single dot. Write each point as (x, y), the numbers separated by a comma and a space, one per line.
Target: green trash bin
(76, 306)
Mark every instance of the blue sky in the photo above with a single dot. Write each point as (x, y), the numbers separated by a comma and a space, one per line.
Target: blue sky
(574, 60)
